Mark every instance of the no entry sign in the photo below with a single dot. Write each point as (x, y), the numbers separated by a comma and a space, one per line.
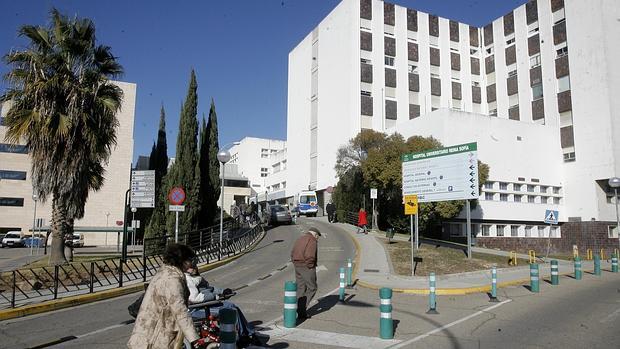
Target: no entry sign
(176, 196)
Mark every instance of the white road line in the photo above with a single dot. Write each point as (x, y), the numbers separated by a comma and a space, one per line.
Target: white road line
(611, 316)
(430, 333)
(272, 322)
(101, 330)
(328, 338)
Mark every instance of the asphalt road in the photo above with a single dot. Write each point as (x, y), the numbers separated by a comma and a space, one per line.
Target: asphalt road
(258, 276)
(575, 314)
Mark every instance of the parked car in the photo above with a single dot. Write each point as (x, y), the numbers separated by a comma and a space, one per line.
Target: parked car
(37, 241)
(278, 214)
(75, 240)
(13, 239)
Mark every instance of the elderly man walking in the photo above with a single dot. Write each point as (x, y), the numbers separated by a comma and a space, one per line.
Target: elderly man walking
(304, 257)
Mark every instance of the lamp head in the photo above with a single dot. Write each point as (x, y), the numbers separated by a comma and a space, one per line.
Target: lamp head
(223, 156)
(614, 182)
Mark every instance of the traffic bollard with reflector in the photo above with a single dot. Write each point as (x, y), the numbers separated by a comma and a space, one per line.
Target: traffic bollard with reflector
(386, 326)
(341, 289)
(555, 276)
(349, 273)
(290, 304)
(614, 263)
(534, 278)
(597, 265)
(228, 330)
(577, 268)
(494, 285)
(432, 301)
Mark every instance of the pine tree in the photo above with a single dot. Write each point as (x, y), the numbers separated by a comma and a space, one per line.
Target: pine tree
(211, 169)
(183, 173)
(159, 162)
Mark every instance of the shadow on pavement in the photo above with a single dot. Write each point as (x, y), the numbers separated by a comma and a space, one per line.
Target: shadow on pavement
(445, 332)
(326, 303)
(267, 245)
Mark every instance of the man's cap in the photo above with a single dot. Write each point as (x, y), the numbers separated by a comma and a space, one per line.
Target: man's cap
(315, 230)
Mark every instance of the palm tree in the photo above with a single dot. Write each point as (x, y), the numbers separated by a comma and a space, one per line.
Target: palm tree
(63, 106)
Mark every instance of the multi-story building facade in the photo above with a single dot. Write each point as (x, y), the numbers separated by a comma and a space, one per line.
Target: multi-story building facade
(534, 88)
(252, 157)
(104, 208)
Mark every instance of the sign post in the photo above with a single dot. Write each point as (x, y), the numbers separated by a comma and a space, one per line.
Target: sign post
(176, 197)
(411, 209)
(551, 218)
(444, 174)
(373, 196)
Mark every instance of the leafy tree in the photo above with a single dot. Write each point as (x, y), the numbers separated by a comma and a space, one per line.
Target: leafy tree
(159, 163)
(64, 106)
(382, 169)
(183, 172)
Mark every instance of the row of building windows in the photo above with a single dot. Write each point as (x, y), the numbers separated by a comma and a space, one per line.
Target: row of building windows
(532, 199)
(277, 186)
(530, 188)
(13, 148)
(4, 201)
(13, 175)
(504, 230)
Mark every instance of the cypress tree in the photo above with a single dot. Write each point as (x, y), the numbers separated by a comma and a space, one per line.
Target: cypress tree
(184, 169)
(203, 175)
(211, 169)
(159, 162)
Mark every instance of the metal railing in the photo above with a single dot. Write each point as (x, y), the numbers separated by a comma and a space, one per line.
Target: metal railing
(351, 217)
(33, 285)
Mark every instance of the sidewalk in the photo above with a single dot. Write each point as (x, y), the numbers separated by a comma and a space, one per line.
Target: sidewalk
(373, 270)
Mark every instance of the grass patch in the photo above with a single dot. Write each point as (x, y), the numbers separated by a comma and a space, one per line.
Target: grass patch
(441, 260)
(76, 259)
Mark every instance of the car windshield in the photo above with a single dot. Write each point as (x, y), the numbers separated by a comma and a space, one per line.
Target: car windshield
(307, 199)
(13, 236)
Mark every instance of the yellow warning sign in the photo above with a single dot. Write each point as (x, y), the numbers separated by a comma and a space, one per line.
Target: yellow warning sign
(411, 204)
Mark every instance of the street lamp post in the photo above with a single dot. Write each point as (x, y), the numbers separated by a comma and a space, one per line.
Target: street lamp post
(223, 156)
(615, 183)
(107, 216)
(133, 228)
(34, 219)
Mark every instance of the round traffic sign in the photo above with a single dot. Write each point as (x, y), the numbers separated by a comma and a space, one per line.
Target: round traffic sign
(176, 196)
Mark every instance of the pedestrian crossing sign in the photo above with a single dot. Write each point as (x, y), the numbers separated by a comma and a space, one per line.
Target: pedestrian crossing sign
(551, 217)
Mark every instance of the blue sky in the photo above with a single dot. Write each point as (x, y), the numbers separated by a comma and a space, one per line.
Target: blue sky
(239, 50)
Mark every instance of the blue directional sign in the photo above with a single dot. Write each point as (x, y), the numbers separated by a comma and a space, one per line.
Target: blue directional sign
(551, 216)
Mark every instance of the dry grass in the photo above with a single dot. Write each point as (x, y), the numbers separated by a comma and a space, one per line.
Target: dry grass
(441, 260)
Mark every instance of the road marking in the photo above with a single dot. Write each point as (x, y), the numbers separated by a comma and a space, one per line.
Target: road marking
(611, 316)
(328, 338)
(321, 268)
(273, 322)
(430, 333)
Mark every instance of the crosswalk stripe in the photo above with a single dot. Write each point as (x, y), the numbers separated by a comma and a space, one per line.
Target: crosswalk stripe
(328, 338)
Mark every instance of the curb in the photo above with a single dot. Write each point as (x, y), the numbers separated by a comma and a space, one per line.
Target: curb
(439, 291)
(73, 301)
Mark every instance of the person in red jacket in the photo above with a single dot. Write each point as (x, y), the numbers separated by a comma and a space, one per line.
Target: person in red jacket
(362, 221)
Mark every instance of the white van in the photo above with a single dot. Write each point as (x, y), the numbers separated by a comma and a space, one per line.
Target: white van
(13, 239)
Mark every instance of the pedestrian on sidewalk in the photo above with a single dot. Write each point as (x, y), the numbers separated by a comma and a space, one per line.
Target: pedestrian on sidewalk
(331, 211)
(362, 221)
(304, 258)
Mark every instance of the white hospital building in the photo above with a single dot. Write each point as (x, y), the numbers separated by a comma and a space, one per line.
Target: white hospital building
(535, 88)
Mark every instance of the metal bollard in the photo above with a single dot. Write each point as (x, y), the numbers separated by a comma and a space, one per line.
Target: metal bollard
(349, 273)
(494, 286)
(589, 254)
(432, 298)
(341, 290)
(602, 253)
(512, 258)
(228, 328)
(534, 280)
(386, 326)
(577, 268)
(614, 263)
(597, 265)
(555, 276)
(290, 304)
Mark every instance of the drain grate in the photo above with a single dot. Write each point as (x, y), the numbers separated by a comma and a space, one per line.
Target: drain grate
(371, 270)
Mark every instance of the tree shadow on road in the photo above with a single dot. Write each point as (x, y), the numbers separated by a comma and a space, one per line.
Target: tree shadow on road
(326, 303)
